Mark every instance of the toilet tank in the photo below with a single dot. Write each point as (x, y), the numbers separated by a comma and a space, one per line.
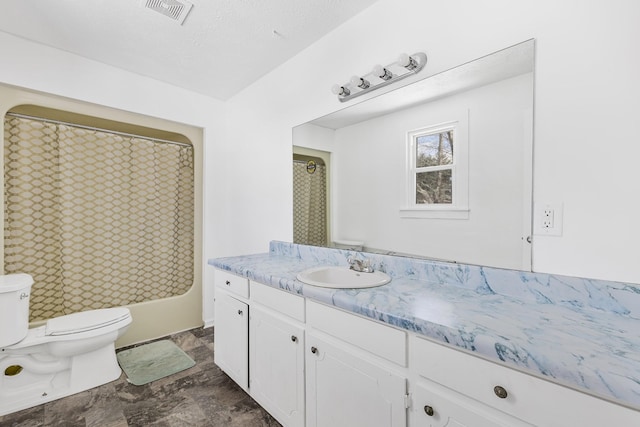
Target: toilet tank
(351, 245)
(14, 308)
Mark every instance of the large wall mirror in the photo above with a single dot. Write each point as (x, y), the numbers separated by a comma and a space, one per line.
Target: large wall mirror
(440, 168)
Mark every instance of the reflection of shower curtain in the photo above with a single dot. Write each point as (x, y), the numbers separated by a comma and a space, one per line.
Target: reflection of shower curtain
(309, 205)
(98, 219)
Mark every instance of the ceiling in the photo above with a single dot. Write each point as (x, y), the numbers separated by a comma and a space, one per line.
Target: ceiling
(221, 48)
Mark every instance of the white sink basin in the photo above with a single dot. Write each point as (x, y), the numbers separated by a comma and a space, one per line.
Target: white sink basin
(342, 278)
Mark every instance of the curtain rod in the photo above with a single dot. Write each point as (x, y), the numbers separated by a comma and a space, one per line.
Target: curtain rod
(59, 122)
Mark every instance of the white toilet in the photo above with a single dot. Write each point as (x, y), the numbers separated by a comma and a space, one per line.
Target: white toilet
(350, 245)
(67, 355)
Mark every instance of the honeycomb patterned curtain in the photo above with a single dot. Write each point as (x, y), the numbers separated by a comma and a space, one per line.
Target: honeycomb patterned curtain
(309, 205)
(98, 219)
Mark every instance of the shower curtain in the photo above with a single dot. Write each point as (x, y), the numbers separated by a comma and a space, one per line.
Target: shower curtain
(99, 219)
(309, 204)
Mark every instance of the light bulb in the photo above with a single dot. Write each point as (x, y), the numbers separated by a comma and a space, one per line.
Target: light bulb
(381, 72)
(403, 60)
(340, 90)
(359, 82)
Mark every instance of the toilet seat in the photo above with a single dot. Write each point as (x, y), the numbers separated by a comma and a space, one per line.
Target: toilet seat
(85, 321)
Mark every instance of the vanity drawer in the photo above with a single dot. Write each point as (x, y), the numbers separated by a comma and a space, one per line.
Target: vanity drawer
(235, 284)
(374, 337)
(528, 398)
(281, 301)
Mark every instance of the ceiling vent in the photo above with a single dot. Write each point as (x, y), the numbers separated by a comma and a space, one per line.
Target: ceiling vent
(174, 9)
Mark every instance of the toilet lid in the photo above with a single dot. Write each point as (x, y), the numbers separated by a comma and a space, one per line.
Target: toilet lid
(85, 321)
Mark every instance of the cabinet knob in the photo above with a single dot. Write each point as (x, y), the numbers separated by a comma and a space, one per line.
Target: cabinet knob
(500, 392)
(314, 350)
(228, 283)
(428, 410)
(240, 312)
(294, 338)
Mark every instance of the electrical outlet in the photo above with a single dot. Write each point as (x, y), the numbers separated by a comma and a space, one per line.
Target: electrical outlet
(548, 219)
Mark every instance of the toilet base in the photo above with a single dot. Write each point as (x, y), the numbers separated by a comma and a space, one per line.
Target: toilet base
(45, 378)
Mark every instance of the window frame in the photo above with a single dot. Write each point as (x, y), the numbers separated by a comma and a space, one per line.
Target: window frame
(459, 206)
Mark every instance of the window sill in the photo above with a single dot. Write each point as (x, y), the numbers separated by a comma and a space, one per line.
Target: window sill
(435, 213)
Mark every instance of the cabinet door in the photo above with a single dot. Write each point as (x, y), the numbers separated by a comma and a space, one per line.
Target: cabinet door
(277, 366)
(346, 390)
(436, 406)
(231, 344)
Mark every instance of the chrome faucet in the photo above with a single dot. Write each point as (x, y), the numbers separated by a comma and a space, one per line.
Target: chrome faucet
(360, 265)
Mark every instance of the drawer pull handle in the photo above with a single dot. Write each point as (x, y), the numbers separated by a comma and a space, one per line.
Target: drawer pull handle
(228, 283)
(294, 338)
(428, 410)
(500, 392)
(314, 350)
(240, 312)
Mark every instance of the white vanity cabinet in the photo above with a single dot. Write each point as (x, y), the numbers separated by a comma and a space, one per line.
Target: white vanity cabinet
(231, 342)
(313, 365)
(276, 353)
(473, 392)
(349, 380)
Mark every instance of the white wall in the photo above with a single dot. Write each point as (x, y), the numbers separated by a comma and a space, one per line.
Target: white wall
(38, 68)
(315, 137)
(587, 95)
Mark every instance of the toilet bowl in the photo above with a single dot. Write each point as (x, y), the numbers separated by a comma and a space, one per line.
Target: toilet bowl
(67, 355)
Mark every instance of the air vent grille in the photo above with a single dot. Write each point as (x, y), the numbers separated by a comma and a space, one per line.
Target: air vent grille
(174, 9)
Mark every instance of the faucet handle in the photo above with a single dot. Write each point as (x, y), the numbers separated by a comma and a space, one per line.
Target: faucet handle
(354, 263)
(361, 265)
(366, 266)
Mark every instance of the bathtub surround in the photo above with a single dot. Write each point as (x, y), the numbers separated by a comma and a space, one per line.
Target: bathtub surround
(151, 321)
(125, 199)
(309, 201)
(573, 331)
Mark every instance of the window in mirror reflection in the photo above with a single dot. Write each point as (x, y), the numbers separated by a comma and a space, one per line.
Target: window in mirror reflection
(432, 165)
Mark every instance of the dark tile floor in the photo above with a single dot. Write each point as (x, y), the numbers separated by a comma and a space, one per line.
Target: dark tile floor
(200, 396)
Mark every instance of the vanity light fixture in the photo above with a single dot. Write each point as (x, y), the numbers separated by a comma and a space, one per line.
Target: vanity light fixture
(381, 76)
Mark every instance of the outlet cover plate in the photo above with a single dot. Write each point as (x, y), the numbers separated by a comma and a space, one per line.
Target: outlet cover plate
(544, 224)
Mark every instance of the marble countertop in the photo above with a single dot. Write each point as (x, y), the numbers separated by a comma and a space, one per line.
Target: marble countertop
(591, 349)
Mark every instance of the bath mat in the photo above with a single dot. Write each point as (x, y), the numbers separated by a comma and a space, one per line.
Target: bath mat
(150, 362)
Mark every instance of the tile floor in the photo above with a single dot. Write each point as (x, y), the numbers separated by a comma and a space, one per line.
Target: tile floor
(200, 396)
